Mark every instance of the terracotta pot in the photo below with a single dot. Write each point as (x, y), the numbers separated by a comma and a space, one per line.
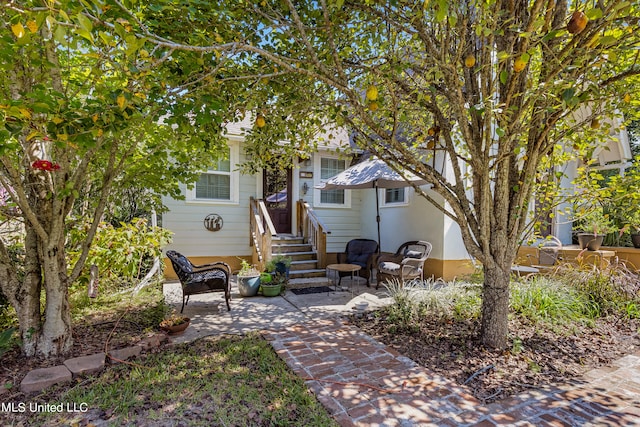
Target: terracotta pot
(590, 241)
(635, 239)
(176, 329)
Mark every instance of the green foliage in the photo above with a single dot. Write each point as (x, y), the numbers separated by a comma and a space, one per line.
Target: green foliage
(415, 300)
(612, 289)
(544, 299)
(122, 253)
(246, 269)
(277, 259)
(6, 338)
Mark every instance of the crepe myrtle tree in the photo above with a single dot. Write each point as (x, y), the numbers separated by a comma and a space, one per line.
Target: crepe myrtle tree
(88, 106)
(503, 91)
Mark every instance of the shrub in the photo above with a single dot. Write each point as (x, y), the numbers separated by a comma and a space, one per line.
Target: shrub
(612, 289)
(122, 254)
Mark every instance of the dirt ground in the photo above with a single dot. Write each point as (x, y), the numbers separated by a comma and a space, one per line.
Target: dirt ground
(538, 355)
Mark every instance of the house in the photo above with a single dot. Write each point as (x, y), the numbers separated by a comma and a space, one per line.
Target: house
(217, 219)
(229, 215)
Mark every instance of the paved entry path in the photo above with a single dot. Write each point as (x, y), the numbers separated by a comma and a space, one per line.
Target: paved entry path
(362, 382)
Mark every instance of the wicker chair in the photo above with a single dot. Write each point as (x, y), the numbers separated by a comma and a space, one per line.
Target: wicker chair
(359, 252)
(406, 263)
(200, 279)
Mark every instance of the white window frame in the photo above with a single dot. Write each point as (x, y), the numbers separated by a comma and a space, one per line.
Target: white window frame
(385, 204)
(234, 181)
(317, 199)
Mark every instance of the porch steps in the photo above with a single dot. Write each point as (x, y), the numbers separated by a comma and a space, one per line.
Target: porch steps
(304, 271)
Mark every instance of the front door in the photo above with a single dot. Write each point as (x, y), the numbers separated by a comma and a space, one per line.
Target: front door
(277, 197)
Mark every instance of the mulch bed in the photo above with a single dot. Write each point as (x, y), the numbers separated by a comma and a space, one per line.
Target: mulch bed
(539, 355)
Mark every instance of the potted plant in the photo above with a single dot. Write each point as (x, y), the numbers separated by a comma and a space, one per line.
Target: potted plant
(279, 264)
(175, 324)
(248, 279)
(273, 287)
(632, 220)
(594, 225)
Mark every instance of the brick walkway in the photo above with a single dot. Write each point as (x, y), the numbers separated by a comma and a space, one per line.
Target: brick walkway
(362, 382)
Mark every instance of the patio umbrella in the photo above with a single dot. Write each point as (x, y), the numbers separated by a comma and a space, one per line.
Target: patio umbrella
(372, 173)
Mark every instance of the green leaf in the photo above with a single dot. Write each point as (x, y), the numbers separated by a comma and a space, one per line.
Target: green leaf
(503, 77)
(500, 132)
(84, 22)
(595, 13)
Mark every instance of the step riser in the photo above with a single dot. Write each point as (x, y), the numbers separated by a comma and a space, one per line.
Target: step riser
(285, 249)
(304, 265)
(302, 256)
(277, 241)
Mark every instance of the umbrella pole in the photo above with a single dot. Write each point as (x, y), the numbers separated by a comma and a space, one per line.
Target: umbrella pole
(378, 215)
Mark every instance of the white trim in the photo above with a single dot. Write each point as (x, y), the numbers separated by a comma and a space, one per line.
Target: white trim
(234, 181)
(317, 181)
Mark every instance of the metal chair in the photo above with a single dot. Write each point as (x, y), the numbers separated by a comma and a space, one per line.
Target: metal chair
(200, 279)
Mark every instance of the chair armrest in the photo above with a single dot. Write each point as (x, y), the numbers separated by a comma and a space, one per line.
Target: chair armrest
(213, 266)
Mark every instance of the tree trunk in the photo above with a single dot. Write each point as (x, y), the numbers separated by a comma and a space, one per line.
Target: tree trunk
(55, 337)
(495, 306)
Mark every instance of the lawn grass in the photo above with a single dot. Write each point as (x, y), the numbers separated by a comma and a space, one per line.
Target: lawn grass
(222, 380)
(229, 380)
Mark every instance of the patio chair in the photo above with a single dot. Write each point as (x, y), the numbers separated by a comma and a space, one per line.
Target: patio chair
(200, 279)
(359, 252)
(406, 263)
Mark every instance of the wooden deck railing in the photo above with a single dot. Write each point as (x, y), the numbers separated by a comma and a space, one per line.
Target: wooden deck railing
(313, 230)
(261, 230)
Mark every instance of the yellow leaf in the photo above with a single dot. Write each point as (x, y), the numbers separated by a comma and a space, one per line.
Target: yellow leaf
(32, 26)
(32, 135)
(100, 133)
(57, 120)
(25, 112)
(140, 95)
(18, 30)
(219, 39)
(62, 136)
(94, 118)
(121, 101)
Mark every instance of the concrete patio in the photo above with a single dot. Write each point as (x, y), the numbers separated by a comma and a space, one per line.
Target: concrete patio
(209, 315)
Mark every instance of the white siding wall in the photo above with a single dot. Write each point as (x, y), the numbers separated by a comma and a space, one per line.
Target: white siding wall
(185, 220)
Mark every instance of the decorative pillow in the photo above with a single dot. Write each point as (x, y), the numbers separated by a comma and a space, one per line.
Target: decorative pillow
(413, 254)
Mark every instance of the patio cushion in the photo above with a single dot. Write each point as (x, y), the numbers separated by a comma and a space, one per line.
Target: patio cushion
(389, 267)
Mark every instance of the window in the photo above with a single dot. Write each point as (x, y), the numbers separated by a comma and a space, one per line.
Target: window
(394, 195)
(216, 182)
(219, 183)
(327, 167)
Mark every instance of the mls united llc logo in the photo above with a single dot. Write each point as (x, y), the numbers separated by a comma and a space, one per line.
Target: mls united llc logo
(20, 407)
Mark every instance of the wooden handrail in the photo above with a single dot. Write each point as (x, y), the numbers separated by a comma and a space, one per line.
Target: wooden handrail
(261, 232)
(313, 231)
